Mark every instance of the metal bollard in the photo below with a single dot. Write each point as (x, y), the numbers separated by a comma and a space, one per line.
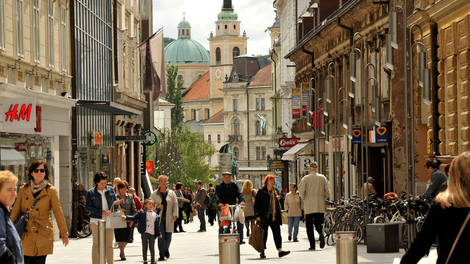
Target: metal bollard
(346, 247)
(102, 242)
(229, 249)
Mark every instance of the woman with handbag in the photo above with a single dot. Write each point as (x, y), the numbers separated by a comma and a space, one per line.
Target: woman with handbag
(123, 235)
(99, 202)
(268, 212)
(187, 204)
(447, 219)
(167, 208)
(38, 237)
(249, 194)
(293, 206)
(11, 250)
(181, 201)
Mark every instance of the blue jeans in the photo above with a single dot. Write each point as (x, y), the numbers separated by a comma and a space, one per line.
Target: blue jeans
(165, 241)
(202, 219)
(239, 227)
(293, 222)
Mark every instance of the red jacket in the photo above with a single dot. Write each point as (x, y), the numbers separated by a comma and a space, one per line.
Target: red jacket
(138, 204)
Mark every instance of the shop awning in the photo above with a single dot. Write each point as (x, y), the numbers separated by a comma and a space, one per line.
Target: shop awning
(109, 107)
(11, 157)
(290, 154)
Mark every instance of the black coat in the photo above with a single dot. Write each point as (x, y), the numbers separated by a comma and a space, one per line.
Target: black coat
(262, 205)
(446, 224)
(141, 216)
(228, 193)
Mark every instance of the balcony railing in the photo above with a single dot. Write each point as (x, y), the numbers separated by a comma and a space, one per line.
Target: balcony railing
(232, 138)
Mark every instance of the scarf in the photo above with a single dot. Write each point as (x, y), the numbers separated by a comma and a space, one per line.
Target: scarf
(37, 187)
(273, 201)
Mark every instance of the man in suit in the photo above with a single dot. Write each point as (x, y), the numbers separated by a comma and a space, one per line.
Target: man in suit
(314, 190)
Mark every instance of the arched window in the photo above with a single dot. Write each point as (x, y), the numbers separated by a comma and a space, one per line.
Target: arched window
(263, 130)
(258, 128)
(199, 76)
(236, 52)
(180, 78)
(193, 114)
(218, 55)
(234, 26)
(236, 153)
(225, 26)
(236, 127)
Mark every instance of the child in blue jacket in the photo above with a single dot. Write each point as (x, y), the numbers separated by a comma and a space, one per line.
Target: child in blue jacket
(148, 227)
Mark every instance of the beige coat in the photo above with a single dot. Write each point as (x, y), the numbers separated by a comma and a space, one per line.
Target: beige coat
(200, 198)
(171, 210)
(370, 187)
(293, 204)
(314, 190)
(38, 238)
(249, 198)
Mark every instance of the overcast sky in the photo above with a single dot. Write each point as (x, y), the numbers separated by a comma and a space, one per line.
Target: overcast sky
(255, 16)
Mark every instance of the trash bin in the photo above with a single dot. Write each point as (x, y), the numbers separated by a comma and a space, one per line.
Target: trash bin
(229, 249)
(346, 247)
(383, 238)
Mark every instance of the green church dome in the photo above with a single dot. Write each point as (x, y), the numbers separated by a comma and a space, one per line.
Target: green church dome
(186, 51)
(227, 15)
(184, 24)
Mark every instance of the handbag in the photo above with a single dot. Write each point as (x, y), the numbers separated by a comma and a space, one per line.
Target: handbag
(257, 237)
(114, 220)
(22, 220)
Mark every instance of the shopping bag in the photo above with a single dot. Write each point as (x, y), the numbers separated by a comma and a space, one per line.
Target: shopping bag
(257, 237)
(285, 220)
(235, 214)
(241, 215)
(184, 215)
(114, 220)
(225, 213)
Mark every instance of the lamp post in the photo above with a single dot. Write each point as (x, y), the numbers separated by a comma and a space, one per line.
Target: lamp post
(347, 126)
(327, 100)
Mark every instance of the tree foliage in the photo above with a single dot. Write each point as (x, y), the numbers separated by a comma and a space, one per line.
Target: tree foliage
(174, 96)
(182, 157)
(263, 60)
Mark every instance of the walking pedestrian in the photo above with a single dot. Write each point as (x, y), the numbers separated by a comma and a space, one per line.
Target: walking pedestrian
(447, 219)
(211, 208)
(138, 206)
(181, 201)
(201, 206)
(268, 212)
(11, 249)
(148, 226)
(187, 205)
(368, 188)
(293, 205)
(227, 192)
(167, 208)
(314, 190)
(437, 179)
(123, 235)
(249, 195)
(38, 238)
(98, 203)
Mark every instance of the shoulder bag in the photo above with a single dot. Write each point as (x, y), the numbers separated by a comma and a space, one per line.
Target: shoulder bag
(22, 220)
(284, 218)
(114, 220)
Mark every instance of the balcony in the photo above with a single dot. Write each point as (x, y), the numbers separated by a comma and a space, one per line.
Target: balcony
(232, 138)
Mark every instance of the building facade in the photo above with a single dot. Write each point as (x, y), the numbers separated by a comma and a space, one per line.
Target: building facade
(35, 84)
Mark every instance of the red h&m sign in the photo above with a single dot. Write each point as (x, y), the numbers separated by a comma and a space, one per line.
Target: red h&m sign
(288, 142)
(316, 117)
(19, 113)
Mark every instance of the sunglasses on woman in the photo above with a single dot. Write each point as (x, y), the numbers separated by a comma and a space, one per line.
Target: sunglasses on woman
(40, 170)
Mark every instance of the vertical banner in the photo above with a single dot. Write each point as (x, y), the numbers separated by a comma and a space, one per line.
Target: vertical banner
(305, 88)
(296, 102)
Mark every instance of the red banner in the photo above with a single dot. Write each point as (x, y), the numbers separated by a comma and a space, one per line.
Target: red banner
(21, 146)
(149, 166)
(288, 142)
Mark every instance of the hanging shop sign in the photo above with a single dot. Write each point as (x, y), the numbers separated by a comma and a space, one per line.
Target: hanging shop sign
(356, 134)
(378, 134)
(19, 113)
(96, 138)
(149, 166)
(316, 117)
(305, 90)
(305, 163)
(277, 165)
(296, 102)
(288, 142)
(23, 146)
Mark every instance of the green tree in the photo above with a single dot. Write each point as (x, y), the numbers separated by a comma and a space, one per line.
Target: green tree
(263, 60)
(174, 96)
(182, 157)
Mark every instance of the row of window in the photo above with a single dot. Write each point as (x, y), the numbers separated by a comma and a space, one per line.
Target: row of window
(36, 31)
(206, 112)
(218, 54)
(260, 153)
(209, 138)
(260, 104)
(258, 128)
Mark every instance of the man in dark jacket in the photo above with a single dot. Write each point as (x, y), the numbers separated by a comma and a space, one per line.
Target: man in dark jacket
(227, 192)
(437, 179)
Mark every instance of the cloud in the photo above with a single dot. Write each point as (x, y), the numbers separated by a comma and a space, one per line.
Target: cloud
(255, 16)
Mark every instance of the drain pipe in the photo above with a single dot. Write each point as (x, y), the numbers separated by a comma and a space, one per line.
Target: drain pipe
(312, 55)
(351, 31)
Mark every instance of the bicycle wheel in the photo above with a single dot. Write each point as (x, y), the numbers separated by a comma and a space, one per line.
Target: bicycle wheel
(86, 230)
(380, 219)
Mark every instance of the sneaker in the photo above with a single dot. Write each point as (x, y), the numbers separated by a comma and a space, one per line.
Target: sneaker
(262, 255)
(283, 253)
(289, 238)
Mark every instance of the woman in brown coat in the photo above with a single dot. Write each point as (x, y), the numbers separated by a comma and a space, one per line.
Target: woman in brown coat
(38, 237)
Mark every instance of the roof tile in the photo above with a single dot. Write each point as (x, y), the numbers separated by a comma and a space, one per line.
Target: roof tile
(200, 89)
(217, 118)
(263, 77)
